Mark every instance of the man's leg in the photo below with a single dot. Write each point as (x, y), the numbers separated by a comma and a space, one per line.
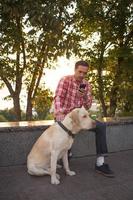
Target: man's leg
(101, 149)
(101, 144)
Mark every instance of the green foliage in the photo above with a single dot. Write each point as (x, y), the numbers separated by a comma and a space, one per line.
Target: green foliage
(42, 104)
(9, 115)
(2, 118)
(108, 42)
(33, 35)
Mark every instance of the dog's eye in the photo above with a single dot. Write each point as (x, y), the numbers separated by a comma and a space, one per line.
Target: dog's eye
(84, 116)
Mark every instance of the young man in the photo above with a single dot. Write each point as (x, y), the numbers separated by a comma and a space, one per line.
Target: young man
(74, 91)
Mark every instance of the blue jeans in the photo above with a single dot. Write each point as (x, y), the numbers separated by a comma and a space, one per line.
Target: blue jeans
(100, 138)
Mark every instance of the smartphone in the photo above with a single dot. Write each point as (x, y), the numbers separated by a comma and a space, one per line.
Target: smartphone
(82, 86)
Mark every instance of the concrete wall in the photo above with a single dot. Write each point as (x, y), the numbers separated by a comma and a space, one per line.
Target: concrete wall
(16, 142)
(119, 137)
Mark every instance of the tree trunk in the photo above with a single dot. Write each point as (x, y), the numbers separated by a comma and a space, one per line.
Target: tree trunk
(29, 109)
(17, 109)
(100, 81)
(101, 96)
(33, 89)
(115, 88)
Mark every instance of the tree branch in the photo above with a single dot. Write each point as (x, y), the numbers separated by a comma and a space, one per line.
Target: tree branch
(128, 37)
(9, 86)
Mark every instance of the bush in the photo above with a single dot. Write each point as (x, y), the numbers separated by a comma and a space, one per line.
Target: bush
(2, 118)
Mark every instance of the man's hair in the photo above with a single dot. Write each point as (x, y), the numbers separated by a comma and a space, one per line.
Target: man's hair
(81, 62)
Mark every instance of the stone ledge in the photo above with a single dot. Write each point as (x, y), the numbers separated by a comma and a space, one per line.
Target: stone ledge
(11, 126)
(16, 141)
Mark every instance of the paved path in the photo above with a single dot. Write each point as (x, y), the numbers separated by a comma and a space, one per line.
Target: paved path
(16, 184)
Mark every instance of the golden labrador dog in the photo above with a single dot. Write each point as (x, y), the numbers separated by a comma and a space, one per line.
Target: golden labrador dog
(54, 144)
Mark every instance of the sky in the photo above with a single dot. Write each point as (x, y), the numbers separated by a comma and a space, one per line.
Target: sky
(51, 78)
(64, 67)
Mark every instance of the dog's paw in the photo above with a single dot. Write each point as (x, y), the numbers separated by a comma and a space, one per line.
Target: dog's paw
(57, 176)
(55, 181)
(70, 173)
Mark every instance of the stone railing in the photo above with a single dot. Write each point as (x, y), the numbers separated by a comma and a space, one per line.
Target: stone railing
(16, 139)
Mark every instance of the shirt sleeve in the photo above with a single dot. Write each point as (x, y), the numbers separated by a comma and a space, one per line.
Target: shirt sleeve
(87, 99)
(60, 95)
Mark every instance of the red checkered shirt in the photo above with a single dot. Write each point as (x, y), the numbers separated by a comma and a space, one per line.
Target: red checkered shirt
(67, 96)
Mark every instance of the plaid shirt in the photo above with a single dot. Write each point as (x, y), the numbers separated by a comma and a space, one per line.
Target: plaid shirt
(67, 96)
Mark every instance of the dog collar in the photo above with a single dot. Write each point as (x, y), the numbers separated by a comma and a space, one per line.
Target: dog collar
(65, 129)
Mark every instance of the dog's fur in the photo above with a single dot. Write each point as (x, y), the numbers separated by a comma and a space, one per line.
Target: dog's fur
(54, 144)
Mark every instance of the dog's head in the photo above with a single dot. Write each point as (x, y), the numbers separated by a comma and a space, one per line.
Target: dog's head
(81, 119)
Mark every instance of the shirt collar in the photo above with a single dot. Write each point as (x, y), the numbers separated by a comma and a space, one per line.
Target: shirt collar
(76, 81)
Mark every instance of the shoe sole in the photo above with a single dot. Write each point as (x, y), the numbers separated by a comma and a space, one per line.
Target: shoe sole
(107, 175)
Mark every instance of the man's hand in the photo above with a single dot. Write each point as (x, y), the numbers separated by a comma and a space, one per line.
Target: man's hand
(81, 91)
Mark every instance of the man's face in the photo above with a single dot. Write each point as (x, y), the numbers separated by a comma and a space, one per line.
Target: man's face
(80, 72)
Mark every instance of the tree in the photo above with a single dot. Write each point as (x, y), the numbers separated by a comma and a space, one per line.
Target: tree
(12, 46)
(123, 34)
(111, 22)
(32, 36)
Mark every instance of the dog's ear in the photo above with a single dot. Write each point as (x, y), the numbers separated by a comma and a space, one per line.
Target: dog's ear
(75, 117)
